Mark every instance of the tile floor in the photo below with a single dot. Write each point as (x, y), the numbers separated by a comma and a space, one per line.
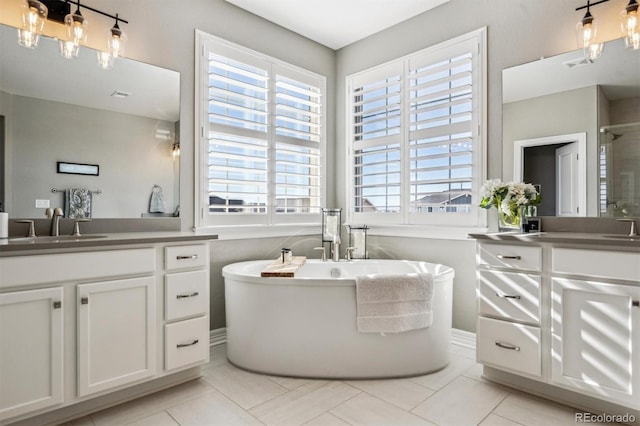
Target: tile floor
(229, 396)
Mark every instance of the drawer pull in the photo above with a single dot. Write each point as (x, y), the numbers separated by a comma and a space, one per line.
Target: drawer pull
(508, 296)
(507, 346)
(182, 296)
(508, 257)
(192, 257)
(184, 345)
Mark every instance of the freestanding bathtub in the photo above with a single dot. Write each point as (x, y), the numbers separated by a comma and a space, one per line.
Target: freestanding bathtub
(306, 326)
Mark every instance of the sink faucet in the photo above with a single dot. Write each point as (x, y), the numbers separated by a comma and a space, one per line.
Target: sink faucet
(634, 230)
(54, 215)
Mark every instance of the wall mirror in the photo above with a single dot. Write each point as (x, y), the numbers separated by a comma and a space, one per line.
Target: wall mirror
(572, 126)
(125, 120)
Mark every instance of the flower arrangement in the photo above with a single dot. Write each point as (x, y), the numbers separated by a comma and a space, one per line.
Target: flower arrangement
(508, 198)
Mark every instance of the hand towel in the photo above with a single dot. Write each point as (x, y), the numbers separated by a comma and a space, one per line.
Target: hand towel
(156, 203)
(77, 203)
(389, 303)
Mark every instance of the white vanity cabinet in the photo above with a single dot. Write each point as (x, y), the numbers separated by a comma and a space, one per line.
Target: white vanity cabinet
(595, 323)
(557, 316)
(31, 350)
(80, 325)
(508, 329)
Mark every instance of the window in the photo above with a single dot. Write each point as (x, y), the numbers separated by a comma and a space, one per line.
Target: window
(262, 138)
(415, 132)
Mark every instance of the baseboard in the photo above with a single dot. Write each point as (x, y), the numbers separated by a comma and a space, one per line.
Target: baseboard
(463, 338)
(217, 336)
(458, 337)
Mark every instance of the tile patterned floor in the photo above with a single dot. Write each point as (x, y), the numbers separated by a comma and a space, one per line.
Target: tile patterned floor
(228, 396)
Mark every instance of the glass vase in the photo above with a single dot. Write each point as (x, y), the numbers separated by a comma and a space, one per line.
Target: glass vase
(509, 222)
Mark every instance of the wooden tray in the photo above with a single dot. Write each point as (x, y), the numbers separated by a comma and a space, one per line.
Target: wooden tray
(279, 269)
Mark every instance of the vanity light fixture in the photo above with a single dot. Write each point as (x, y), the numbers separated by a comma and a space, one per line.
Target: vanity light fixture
(631, 25)
(586, 31)
(34, 13)
(116, 40)
(175, 150)
(77, 26)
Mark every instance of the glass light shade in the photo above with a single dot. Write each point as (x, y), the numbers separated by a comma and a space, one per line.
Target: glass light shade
(77, 27)
(68, 49)
(586, 31)
(630, 25)
(593, 51)
(34, 14)
(105, 60)
(116, 42)
(175, 150)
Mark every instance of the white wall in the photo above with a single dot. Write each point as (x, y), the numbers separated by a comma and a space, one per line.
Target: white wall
(162, 33)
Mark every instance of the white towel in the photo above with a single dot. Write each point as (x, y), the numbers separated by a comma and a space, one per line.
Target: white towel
(394, 303)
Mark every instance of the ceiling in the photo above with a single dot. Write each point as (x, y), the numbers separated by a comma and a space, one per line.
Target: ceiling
(336, 23)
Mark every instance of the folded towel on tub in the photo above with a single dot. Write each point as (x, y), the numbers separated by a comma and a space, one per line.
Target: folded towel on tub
(389, 303)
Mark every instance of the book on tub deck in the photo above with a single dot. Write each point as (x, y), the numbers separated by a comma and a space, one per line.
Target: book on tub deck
(286, 270)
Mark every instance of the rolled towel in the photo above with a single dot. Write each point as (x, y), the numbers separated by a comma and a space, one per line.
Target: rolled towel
(389, 303)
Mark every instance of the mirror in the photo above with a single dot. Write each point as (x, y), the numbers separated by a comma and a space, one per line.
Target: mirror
(558, 107)
(124, 120)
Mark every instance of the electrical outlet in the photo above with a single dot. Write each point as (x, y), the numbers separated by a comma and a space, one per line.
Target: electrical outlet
(42, 204)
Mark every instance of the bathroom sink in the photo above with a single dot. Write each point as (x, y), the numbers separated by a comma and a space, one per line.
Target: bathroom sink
(52, 239)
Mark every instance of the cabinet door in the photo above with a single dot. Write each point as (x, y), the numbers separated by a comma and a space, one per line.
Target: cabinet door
(596, 339)
(116, 333)
(31, 345)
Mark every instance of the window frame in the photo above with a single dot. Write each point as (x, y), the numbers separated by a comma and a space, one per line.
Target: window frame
(245, 225)
(477, 217)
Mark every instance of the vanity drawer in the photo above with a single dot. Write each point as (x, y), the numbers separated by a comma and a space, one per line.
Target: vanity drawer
(510, 295)
(511, 256)
(186, 257)
(186, 294)
(186, 342)
(65, 267)
(509, 346)
(597, 263)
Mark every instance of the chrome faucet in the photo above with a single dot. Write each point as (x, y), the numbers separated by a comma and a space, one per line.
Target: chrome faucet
(54, 215)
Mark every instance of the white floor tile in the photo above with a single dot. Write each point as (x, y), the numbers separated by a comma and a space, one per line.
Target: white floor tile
(463, 351)
(242, 387)
(530, 410)
(464, 401)
(367, 410)
(146, 406)
(213, 409)
(404, 393)
(495, 420)
(327, 419)
(289, 382)
(436, 381)
(475, 372)
(303, 404)
(160, 419)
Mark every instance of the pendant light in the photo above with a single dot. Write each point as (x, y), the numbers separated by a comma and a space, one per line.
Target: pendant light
(34, 14)
(77, 26)
(586, 31)
(116, 40)
(631, 25)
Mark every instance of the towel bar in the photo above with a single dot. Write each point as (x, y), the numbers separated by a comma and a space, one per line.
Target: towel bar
(96, 191)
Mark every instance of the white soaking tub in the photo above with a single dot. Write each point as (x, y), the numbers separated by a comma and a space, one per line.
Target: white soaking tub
(306, 326)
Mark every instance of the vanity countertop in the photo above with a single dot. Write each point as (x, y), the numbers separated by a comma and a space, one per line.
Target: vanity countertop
(17, 244)
(562, 238)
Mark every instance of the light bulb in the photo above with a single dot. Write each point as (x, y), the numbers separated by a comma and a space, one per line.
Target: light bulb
(68, 49)
(630, 25)
(77, 27)
(116, 41)
(34, 14)
(586, 31)
(105, 60)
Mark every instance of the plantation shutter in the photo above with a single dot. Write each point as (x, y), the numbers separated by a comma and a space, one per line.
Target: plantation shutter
(376, 101)
(441, 130)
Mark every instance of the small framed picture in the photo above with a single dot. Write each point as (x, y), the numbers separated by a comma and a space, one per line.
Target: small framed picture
(78, 169)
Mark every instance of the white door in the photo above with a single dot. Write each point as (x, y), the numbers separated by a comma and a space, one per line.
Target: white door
(567, 181)
(116, 333)
(596, 339)
(31, 348)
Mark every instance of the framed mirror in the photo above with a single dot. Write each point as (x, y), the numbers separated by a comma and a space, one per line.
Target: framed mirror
(556, 112)
(124, 120)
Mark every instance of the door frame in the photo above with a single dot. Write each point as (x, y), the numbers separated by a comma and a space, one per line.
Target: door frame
(579, 138)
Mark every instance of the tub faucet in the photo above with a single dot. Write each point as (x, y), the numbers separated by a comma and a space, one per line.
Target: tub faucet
(54, 215)
(335, 248)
